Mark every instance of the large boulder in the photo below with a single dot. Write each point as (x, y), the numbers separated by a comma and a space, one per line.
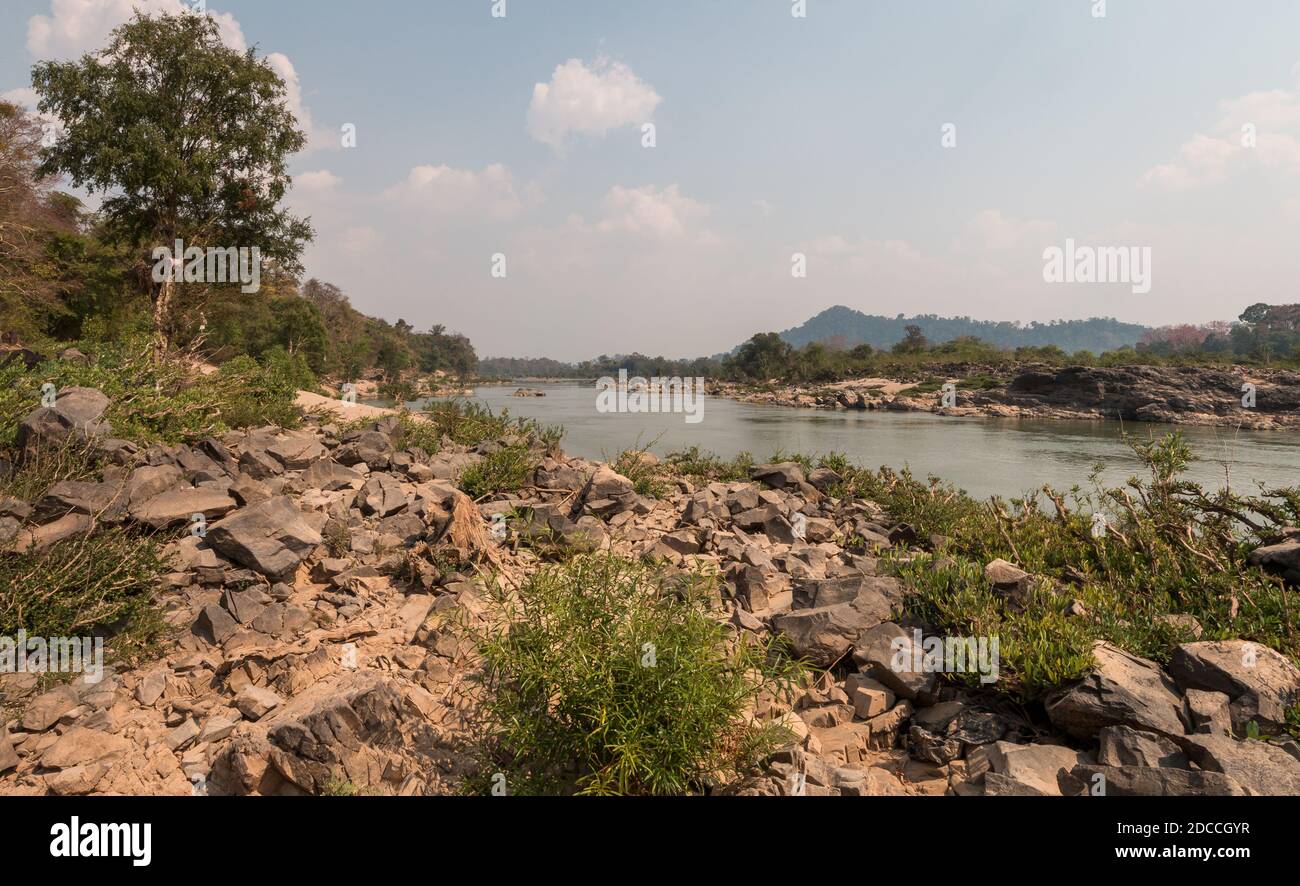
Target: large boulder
(1123, 690)
(825, 634)
(1261, 768)
(103, 500)
(271, 537)
(884, 652)
(329, 476)
(382, 496)
(1282, 558)
(361, 727)
(1124, 746)
(1261, 682)
(1143, 781)
(77, 412)
(371, 448)
(176, 507)
(1039, 766)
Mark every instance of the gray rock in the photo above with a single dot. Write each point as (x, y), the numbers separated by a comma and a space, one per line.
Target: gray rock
(1123, 690)
(877, 653)
(46, 710)
(827, 592)
(271, 537)
(259, 464)
(757, 587)
(151, 480)
(382, 496)
(1038, 765)
(77, 412)
(249, 491)
(372, 448)
(1143, 781)
(999, 785)
(214, 624)
(255, 702)
(1261, 682)
(102, 500)
(1261, 768)
(329, 476)
(296, 451)
(824, 635)
(1208, 712)
(1124, 746)
(176, 506)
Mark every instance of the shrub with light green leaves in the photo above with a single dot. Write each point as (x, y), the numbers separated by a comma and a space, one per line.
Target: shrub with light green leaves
(606, 676)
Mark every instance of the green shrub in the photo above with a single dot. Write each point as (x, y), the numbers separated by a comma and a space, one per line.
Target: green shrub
(150, 402)
(469, 423)
(645, 473)
(505, 470)
(1169, 547)
(1040, 648)
(101, 581)
(706, 467)
(606, 676)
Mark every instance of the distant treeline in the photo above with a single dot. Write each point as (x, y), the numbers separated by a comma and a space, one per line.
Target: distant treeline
(635, 364)
(843, 328)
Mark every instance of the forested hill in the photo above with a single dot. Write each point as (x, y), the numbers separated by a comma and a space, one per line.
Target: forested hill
(846, 328)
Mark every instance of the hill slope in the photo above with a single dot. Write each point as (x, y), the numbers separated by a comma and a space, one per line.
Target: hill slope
(849, 328)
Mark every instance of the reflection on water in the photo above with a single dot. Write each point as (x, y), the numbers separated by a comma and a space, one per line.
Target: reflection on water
(984, 456)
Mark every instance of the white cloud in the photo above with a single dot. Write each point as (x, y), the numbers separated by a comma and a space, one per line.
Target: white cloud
(359, 241)
(74, 27)
(589, 101)
(991, 231)
(316, 180)
(663, 213)
(444, 191)
(1273, 118)
(1202, 160)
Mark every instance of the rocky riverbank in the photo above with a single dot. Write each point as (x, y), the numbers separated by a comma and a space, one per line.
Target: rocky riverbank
(1175, 395)
(314, 640)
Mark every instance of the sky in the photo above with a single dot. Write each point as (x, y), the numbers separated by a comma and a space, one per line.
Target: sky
(921, 155)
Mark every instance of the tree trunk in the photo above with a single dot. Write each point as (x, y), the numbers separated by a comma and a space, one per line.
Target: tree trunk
(161, 307)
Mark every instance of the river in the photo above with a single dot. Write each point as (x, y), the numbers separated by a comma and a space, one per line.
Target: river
(984, 456)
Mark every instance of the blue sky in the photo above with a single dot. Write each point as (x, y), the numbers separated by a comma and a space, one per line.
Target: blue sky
(775, 135)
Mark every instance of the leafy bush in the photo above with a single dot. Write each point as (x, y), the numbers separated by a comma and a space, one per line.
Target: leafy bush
(470, 423)
(101, 581)
(74, 460)
(505, 470)
(707, 467)
(165, 401)
(1169, 547)
(644, 471)
(604, 676)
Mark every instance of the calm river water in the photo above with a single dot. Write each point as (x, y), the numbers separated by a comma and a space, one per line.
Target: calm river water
(984, 456)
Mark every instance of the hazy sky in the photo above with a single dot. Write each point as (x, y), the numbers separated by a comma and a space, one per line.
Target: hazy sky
(775, 135)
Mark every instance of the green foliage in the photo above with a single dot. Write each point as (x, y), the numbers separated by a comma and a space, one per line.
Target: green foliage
(47, 465)
(470, 423)
(1040, 647)
(706, 467)
(1169, 547)
(151, 401)
(643, 469)
(605, 676)
(505, 470)
(212, 172)
(100, 581)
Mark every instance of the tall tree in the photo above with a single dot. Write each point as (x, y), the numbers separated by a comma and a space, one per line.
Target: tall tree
(186, 138)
